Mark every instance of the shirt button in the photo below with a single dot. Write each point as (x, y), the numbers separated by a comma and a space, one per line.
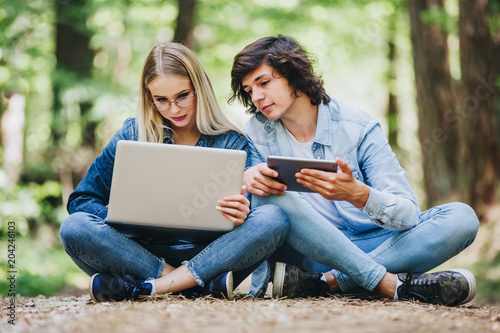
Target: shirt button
(371, 213)
(274, 141)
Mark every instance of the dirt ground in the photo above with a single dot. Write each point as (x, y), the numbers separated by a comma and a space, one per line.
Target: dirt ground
(177, 314)
(75, 312)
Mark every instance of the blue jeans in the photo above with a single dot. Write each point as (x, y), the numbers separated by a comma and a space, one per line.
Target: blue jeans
(361, 260)
(96, 247)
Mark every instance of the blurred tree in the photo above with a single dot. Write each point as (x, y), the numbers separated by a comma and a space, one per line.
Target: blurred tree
(14, 41)
(476, 115)
(26, 59)
(494, 23)
(12, 135)
(71, 125)
(185, 23)
(74, 64)
(392, 104)
(435, 98)
(457, 122)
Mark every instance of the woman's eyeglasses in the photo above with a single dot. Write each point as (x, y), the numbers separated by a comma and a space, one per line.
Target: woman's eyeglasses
(182, 102)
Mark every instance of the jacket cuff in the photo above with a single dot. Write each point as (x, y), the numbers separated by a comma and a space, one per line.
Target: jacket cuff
(374, 206)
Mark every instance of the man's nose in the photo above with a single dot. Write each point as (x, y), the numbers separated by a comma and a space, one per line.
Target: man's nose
(257, 95)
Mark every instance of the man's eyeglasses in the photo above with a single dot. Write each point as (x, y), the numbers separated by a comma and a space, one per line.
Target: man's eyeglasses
(182, 102)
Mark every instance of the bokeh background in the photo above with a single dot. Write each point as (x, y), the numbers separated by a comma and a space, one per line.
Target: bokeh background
(428, 70)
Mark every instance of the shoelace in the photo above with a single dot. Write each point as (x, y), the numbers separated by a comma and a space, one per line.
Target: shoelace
(118, 283)
(137, 290)
(425, 290)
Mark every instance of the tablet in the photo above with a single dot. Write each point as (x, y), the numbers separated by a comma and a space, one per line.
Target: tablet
(287, 167)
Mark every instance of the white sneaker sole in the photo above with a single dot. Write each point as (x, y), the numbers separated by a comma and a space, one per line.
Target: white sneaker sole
(229, 284)
(90, 287)
(472, 283)
(278, 279)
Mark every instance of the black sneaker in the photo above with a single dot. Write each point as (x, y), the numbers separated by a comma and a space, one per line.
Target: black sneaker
(451, 287)
(292, 282)
(219, 287)
(106, 287)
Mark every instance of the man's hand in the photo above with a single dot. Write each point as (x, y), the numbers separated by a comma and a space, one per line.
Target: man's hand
(259, 182)
(235, 208)
(335, 186)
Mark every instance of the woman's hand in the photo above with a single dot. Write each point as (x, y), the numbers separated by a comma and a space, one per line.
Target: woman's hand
(236, 207)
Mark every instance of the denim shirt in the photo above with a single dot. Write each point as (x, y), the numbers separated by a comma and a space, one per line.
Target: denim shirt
(357, 138)
(92, 194)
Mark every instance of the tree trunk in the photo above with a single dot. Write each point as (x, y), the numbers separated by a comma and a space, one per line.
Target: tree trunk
(74, 62)
(478, 94)
(494, 16)
(435, 101)
(392, 105)
(12, 130)
(185, 23)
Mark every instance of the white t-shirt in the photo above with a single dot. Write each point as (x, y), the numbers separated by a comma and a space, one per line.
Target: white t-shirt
(323, 206)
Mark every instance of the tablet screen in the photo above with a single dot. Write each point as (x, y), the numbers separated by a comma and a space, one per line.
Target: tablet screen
(287, 167)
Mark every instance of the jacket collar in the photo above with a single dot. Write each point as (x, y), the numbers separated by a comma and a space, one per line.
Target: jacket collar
(324, 126)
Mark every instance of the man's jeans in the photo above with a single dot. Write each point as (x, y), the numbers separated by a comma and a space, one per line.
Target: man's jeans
(96, 247)
(361, 260)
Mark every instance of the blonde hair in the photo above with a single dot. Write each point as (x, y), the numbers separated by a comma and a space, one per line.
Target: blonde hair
(176, 59)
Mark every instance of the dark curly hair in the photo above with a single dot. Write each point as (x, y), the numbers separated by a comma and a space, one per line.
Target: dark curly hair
(288, 58)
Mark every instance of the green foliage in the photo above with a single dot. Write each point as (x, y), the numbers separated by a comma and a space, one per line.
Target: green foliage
(488, 279)
(26, 59)
(441, 18)
(40, 267)
(25, 49)
(347, 39)
(30, 205)
(494, 18)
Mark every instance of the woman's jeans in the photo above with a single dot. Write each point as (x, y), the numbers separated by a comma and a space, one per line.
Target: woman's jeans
(361, 260)
(97, 247)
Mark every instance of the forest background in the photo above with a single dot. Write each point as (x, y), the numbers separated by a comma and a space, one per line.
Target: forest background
(428, 70)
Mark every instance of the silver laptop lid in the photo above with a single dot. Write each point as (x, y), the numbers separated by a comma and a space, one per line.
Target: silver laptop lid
(173, 186)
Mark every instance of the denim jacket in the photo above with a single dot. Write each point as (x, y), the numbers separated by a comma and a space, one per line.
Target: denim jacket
(92, 194)
(357, 138)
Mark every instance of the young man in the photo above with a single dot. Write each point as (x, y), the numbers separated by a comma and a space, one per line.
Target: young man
(362, 226)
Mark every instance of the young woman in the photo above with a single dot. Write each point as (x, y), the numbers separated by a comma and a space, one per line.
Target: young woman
(177, 106)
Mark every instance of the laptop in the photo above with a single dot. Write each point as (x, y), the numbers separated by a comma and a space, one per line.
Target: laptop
(171, 191)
